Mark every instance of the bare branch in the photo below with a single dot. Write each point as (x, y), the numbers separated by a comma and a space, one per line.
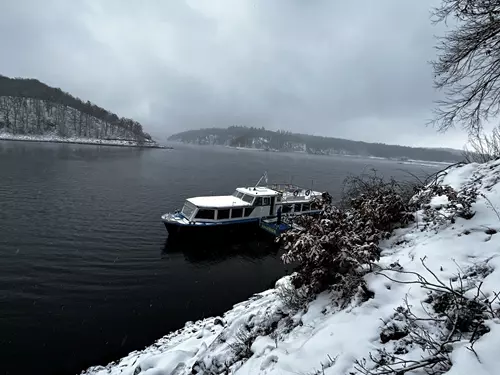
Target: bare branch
(454, 315)
(467, 68)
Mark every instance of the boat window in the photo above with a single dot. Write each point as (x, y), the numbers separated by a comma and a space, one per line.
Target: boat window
(297, 207)
(258, 201)
(223, 214)
(205, 214)
(248, 211)
(266, 201)
(286, 208)
(306, 207)
(247, 198)
(236, 212)
(238, 194)
(188, 209)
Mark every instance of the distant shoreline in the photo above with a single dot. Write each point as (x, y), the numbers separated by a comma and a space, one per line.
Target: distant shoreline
(79, 141)
(286, 141)
(430, 163)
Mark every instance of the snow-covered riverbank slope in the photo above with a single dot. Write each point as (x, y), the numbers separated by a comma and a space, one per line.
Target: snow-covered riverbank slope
(77, 140)
(449, 325)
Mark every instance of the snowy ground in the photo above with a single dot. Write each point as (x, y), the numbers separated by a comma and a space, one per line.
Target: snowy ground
(57, 139)
(262, 336)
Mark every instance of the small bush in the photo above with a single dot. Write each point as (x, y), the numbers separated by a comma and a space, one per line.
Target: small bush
(455, 312)
(458, 204)
(242, 342)
(292, 298)
(356, 187)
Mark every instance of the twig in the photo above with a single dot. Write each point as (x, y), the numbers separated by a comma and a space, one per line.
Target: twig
(490, 204)
(474, 351)
(423, 283)
(422, 260)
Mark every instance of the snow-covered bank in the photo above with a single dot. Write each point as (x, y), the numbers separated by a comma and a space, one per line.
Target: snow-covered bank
(77, 140)
(263, 335)
(423, 163)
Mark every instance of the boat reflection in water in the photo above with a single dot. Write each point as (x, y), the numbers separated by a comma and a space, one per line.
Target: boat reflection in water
(201, 250)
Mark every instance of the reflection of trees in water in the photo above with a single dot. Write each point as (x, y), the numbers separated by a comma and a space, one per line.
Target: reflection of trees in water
(217, 250)
(67, 151)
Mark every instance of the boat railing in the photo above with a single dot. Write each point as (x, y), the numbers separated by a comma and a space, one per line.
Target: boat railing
(294, 198)
(283, 186)
(292, 193)
(286, 188)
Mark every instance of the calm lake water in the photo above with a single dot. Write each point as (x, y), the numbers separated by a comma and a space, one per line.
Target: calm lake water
(86, 272)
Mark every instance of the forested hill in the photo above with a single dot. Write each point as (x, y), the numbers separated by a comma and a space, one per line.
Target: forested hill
(240, 136)
(30, 107)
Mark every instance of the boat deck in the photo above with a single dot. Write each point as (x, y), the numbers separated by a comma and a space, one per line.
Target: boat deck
(272, 227)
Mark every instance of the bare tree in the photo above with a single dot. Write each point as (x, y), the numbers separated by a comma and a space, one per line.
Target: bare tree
(17, 105)
(38, 115)
(468, 65)
(80, 121)
(74, 119)
(483, 148)
(60, 119)
(5, 112)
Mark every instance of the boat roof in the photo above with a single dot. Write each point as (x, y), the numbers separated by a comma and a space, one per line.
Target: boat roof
(257, 191)
(221, 201)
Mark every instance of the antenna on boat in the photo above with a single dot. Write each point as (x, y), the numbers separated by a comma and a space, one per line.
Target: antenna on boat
(264, 176)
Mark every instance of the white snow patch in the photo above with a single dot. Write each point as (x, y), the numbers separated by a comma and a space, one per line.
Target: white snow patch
(458, 176)
(329, 340)
(439, 201)
(465, 362)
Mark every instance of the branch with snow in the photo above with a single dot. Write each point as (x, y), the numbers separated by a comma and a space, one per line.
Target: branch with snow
(455, 313)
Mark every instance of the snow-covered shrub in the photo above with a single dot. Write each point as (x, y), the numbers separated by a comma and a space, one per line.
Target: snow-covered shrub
(355, 187)
(338, 247)
(242, 342)
(235, 344)
(442, 203)
(456, 313)
(293, 298)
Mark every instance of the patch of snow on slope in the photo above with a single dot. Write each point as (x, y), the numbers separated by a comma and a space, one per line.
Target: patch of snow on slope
(260, 336)
(458, 176)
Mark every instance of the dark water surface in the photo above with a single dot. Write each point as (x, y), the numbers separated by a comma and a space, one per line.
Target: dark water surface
(86, 272)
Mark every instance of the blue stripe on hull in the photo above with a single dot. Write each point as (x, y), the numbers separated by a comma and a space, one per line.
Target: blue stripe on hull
(229, 222)
(230, 226)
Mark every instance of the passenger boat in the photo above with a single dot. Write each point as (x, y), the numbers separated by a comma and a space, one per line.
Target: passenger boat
(244, 209)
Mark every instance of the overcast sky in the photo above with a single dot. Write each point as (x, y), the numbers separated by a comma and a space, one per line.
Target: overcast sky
(350, 69)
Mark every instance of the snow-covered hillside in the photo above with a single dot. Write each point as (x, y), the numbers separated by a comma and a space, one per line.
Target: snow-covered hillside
(25, 118)
(434, 307)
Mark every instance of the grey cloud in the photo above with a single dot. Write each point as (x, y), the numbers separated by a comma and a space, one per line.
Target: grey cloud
(347, 69)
